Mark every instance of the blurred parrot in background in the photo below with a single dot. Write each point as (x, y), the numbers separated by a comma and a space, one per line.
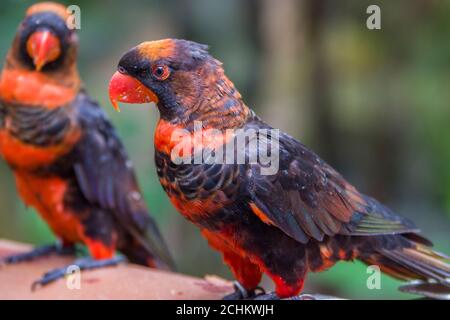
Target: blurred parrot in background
(68, 162)
(303, 217)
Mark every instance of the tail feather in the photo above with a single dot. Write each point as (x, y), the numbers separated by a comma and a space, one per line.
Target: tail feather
(428, 289)
(391, 268)
(416, 262)
(422, 265)
(148, 248)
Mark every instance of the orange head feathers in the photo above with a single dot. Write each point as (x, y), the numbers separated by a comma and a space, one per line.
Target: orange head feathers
(54, 7)
(183, 79)
(43, 40)
(40, 67)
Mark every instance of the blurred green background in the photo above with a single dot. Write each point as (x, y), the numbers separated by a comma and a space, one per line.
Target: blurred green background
(373, 103)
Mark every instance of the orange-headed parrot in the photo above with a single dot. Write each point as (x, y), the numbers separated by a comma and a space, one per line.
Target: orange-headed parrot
(302, 217)
(68, 162)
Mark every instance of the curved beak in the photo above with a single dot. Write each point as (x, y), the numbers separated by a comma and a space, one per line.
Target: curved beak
(124, 88)
(43, 47)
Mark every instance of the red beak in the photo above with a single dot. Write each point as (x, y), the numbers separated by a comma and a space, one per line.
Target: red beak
(43, 47)
(123, 88)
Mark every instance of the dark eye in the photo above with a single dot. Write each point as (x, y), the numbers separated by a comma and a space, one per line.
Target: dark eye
(122, 70)
(161, 72)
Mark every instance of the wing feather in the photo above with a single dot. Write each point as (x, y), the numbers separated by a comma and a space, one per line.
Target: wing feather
(106, 178)
(307, 198)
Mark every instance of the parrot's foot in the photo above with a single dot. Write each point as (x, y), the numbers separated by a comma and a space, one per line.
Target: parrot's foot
(82, 264)
(39, 252)
(240, 293)
(305, 296)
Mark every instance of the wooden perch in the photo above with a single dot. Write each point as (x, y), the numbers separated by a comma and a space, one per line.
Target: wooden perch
(127, 281)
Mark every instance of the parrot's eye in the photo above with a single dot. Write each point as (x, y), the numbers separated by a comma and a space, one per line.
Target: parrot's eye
(160, 72)
(122, 70)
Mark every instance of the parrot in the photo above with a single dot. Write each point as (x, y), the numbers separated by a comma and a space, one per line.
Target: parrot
(66, 157)
(301, 217)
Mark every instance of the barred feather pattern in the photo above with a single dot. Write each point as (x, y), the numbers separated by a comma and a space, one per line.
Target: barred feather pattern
(2, 115)
(35, 125)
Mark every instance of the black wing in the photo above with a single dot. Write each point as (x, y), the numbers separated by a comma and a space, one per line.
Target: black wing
(306, 198)
(106, 178)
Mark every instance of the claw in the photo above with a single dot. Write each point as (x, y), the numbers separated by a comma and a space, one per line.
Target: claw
(38, 253)
(49, 277)
(82, 264)
(305, 296)
(267, 296)
(259, 291)
(241, 293)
